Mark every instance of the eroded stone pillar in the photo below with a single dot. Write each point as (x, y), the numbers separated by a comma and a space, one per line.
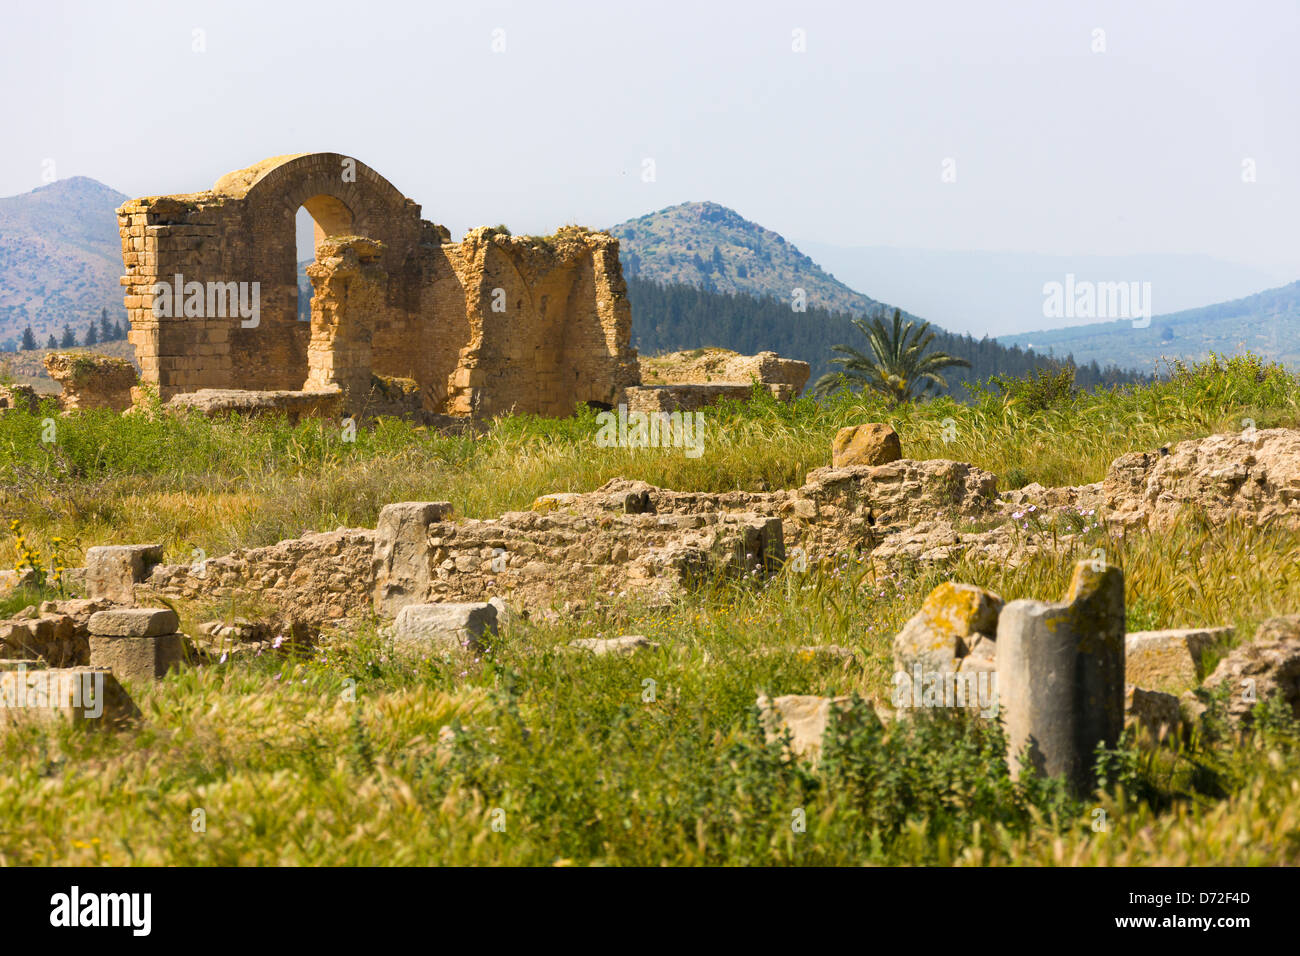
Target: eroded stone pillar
(1061, 676)
(349, 287)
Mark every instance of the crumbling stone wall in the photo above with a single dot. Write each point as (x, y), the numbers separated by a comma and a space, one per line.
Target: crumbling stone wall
(626, 540)
(692, 380)
(56, 632)
(549, 323)
(785, 378)
(1251, 476)
(543, 560)
(19, 396)
(486, 325)
(303, 582)
(92, 381)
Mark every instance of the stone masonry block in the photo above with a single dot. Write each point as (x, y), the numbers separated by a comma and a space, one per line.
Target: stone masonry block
(402, 553)
(440, 628)
(137, 659)
(31, 692)
(134, 622)
(112, 571)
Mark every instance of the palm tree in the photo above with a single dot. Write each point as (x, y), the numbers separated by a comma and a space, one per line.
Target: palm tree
(899, 366)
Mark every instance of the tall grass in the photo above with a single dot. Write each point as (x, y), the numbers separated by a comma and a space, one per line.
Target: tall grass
(216, 484)
(531, 754)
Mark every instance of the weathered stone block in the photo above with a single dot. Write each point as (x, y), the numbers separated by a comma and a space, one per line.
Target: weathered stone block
(137, 659)
(80, 695)
(1169, 660)
(619, 646)
(443, 628)
(951, 620)
(134, 622)
(112, 571)
(871, 444)
(1155, 712)
(1266, 666)
(401, 562)
(805, 716)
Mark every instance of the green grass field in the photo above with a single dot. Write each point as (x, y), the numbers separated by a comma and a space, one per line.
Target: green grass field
(340, 754)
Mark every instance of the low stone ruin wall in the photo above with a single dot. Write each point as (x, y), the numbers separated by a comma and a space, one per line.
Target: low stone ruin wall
(232, 401)
(722, 366)
(681, 398)
(57, 632)
(544, 560)
(628, 539)
(690, 381)
(19, 396)
(92, 381)
(1251, 476)
(632, 539)
(300, 584)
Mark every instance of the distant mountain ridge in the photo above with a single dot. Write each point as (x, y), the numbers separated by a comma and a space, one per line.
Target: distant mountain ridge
(707, 245)
(60, 257)
(678, 317)
(1267, 323)
(1001, 293)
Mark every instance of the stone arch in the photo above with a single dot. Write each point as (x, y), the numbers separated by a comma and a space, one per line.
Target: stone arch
(427, 307)
(344, 197)
(331, 215)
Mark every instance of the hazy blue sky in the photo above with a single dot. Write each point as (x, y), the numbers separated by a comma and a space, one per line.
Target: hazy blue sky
(1058, 149)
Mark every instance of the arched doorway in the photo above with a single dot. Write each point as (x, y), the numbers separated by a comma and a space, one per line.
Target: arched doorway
(320, 216)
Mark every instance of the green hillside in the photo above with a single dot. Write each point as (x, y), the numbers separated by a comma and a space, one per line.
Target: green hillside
(60, 258)
(1267, 323)
(713, 247)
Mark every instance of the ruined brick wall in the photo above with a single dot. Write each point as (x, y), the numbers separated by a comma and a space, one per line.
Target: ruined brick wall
(486, 325)
(243, 231)
(549, 323)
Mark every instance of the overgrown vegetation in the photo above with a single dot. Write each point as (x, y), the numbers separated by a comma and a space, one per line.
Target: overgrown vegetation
(902, 364)
(533, 755)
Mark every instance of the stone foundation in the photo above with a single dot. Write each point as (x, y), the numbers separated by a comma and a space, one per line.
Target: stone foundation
(233, 401)
(628, 540)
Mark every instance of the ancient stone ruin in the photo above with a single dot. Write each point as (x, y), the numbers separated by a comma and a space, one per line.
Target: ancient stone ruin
(92, 381)
(1063, 676)
(491, 324)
